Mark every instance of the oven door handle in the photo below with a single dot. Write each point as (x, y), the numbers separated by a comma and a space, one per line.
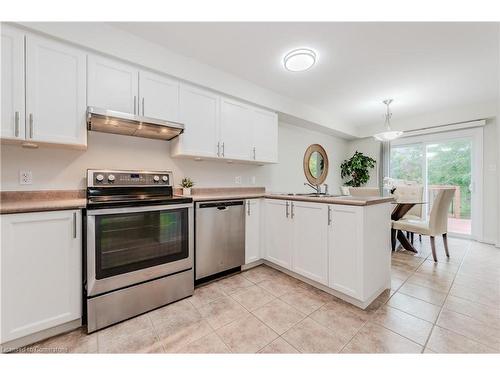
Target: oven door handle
(126, 210)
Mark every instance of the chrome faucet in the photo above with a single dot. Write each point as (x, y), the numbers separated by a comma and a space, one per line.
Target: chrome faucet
(317, 188)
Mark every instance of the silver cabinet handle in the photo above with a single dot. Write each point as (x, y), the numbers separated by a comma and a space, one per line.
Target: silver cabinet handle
(143, 105)
(248, 208)
(218, 149)
(329, 215)
(254, 153)
(293, 213)
(31, 125)
(16, 122)
(222, 149)
(74, 224)
(135, 105)
(287, 212)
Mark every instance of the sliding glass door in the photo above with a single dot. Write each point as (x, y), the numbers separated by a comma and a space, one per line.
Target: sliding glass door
(439, 161)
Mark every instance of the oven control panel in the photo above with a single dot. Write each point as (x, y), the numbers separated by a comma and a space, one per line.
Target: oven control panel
(128, 178)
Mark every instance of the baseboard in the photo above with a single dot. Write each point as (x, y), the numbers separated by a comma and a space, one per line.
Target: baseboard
(12, 345)
(252, 264)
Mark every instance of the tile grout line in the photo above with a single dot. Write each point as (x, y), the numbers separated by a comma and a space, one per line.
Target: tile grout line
(370, 319)
(446, 298)
(383, 304)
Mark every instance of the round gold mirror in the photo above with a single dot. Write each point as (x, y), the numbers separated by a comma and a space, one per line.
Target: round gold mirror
(315, 164)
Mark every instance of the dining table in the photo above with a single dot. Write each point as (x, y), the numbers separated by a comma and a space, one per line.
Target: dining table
(401, 208)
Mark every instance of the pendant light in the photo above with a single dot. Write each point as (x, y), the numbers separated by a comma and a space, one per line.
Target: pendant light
(388, 135)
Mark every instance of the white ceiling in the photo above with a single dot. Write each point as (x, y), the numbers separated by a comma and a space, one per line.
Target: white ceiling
(424, 67)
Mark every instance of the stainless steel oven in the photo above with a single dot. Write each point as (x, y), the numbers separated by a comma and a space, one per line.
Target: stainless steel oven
(139, 245)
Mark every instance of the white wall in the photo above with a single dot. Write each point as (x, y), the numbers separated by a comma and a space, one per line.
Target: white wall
(56, 168)
(288, 174)
(490, 181)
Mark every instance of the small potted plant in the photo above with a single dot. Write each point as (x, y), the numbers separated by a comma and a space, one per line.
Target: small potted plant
(186, 185)
(358, 169)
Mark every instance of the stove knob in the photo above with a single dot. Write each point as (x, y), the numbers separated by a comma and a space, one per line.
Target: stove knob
(111, 177)
(99, 178)
(165, 178)
(156, 178)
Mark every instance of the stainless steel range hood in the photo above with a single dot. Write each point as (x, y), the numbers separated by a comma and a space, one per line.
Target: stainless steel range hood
(106, 121)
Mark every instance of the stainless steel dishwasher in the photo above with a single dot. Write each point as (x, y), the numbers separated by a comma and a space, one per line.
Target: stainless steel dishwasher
(220, 237)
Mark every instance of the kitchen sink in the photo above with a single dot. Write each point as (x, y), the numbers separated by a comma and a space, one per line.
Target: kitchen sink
(313, 195)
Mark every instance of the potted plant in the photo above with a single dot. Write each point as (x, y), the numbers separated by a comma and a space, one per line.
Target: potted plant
(357, 168)
(186, 185)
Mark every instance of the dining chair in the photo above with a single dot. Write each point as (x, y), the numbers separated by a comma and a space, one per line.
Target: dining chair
(437, 223)
(410, 191)
(364, 192)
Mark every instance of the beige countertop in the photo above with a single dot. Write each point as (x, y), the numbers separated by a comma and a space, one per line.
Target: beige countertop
(215, 194)
(346, 200)
(44, 200)
(53, 200)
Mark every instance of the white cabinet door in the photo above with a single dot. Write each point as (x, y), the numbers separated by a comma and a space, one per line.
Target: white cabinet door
(55, 92)
(12, 120)
(252, 231)
(40, 269)
(199, 112)
(310, 240)
(112, 85)
(277, 233)
(265, 136)
(345, 249)
(159, 96)
(236, 130)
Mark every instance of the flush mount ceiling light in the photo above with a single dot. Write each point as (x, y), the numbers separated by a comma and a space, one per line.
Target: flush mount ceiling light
(389, 134)
(299, 59)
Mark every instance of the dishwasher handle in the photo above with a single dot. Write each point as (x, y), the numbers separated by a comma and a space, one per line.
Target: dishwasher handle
(220, 205)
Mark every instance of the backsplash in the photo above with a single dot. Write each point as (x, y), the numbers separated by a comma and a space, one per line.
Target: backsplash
(65, 169)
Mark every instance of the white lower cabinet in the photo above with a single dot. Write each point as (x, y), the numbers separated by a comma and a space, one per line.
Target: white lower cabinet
(277, 233)
(345, 240)
(310, 240)
(40, 269)
(252, 231)
(296, 237)
(344, 247)
(359, 250)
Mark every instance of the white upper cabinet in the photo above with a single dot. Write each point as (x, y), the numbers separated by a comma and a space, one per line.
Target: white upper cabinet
(41, 272)
(112, 85)
(159, 96)
(55, 92)
(252, 231)
(12, 120)
(236, 130)
(199, 111)
(310, 240)
(265, 136)
(222, 128)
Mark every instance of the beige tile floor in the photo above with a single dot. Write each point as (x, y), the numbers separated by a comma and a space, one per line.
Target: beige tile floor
(446, 307)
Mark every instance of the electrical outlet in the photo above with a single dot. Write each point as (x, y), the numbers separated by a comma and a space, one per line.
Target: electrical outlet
(25, 177)
(252, 180)
(237, 180)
